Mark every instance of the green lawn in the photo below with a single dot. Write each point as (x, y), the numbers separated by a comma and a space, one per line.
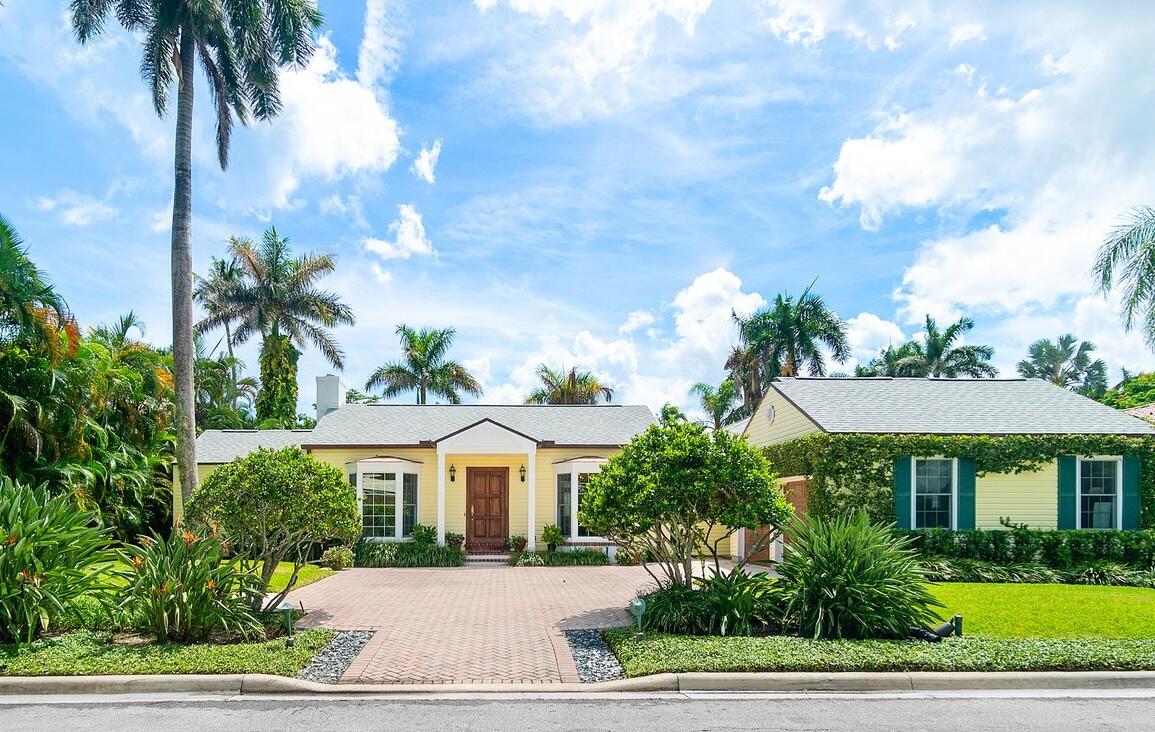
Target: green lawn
(1050, 611)
(309, 574)
(87, 653)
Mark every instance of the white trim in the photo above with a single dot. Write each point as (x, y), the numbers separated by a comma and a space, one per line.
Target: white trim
(531, 498)
(486, 438)
(573, 468)
(1118, 460)
(914, 489)
(385, 465)
(441, 498)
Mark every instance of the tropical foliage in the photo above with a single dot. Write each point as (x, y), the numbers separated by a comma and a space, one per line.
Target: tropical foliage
(1134, 391)
(242, 45)
(271, 505)
(1066, 362)
(1127, 260)
(940, 354)
(572, 387)
(277, 298)
(424, 368)
(720, 404)
(678, 490)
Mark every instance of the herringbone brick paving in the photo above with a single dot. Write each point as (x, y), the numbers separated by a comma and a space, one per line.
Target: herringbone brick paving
(469, 625)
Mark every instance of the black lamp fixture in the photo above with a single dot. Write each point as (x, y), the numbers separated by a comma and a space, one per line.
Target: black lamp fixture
(452, 473)
(521, 472)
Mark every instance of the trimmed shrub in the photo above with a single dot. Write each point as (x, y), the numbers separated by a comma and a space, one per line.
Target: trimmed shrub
(1055, 549)
(185, 588)
(849, 578)
(405, 554)
(337, 558)
(51, 553)
(577, 557)
(273, 506)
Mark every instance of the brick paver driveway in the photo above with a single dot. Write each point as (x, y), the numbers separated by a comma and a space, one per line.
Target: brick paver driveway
(469, 624)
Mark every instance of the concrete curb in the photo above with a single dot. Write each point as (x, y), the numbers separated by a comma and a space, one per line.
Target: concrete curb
(233, 684)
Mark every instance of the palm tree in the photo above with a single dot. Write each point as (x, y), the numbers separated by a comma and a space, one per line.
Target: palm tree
(1128, 255)
(423, 368)
(242, 45)
(890, 361)
(1066, 363)
(788, 336)
(278, 299)
(744, 374)
(938, 356)
(29, 306)
(211, 293)
(572, 387)
(719, 403)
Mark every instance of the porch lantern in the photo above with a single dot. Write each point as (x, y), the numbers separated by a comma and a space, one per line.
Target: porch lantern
(452, 473)
(521, 472)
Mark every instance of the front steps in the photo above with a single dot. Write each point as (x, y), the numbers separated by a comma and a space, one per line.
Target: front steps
(486, 559)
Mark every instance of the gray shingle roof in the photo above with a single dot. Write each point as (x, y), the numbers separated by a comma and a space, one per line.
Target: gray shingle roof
(409, 424)
(954, 406)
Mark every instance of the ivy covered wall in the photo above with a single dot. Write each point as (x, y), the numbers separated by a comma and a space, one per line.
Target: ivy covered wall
(852, 471)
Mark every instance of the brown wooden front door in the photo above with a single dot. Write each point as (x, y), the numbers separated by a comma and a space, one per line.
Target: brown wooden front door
(486, 508)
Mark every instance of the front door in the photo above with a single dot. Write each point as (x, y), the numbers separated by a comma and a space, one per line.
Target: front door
(486, 508)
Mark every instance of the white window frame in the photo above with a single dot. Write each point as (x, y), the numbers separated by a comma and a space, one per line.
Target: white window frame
(1118, 460)
(914, 489)
(573, 468)
(388, 465)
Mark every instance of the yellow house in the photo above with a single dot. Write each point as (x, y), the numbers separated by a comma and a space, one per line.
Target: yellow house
(487, 472)
(934, 491)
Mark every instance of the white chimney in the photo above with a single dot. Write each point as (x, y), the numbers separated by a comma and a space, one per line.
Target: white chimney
(330, 394)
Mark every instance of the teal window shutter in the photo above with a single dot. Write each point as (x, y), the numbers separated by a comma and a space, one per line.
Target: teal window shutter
(1132, 468)
(1067, 495)
(902, 493)
(966, 494)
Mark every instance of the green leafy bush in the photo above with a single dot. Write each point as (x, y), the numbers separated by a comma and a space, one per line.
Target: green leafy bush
(976, 570)
(185, 588)
(676, 609)
(551, 535)
(272, 506)
(1055, 549)
(337, 558)
(424, 535)
(728, 603)
(849, 578)
(454, 540)
(577, 557)
(405, 554)
(51, 553)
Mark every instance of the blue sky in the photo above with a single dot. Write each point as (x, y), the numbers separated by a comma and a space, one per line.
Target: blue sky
(600, 183)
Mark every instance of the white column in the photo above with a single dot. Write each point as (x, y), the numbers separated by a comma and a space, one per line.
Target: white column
(440, 497)
(531, 493)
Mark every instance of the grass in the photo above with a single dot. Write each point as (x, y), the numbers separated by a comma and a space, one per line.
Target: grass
(658, 653)
(1050, 611)
(309, 574)
(83, 653)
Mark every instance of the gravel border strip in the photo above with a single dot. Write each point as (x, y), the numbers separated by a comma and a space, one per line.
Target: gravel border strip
(593, 658)
(333, 660)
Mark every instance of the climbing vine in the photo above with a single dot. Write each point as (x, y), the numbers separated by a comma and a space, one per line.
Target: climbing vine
(855, 471)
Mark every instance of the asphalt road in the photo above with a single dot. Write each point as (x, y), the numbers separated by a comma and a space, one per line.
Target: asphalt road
(970, 712)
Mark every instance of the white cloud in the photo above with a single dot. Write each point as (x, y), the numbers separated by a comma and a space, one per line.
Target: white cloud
(409, 237)
(76, 209)
(636, 319)
(382, 276)
(425, 164)
(380, 52)
(703, 321)
(960, 34)
(868, 334)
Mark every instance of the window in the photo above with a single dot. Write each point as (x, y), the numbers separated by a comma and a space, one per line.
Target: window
(564, 483)
(1099, 502)
(388, 500)
(583, 483)
(934, 486)
(408, 503)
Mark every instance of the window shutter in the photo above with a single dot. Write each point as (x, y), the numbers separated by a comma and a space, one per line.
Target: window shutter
(966, 494)
(1067, 499)
(1132, 467)
(903, 519)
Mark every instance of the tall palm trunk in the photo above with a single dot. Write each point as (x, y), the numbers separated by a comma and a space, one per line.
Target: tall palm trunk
(182, 274)
(232, 366)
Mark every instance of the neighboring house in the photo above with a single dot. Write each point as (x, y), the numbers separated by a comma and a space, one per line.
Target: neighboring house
(487, 472)
(1145, 412)
(930, 491)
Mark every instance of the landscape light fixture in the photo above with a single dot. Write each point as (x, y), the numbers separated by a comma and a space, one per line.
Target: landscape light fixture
(287, 609)
(638, 609)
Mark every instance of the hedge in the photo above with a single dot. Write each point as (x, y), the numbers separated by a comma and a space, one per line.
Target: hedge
(1062, 550)
(577, 557)
(405, 554)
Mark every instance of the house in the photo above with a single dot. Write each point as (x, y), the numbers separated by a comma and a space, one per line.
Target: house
(487, 472)
(937, 491)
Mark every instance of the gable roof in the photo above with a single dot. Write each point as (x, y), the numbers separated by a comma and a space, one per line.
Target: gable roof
(953, 406)
(411, 425)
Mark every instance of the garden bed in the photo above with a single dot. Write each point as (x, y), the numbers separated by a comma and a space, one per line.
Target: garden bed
(86, 653)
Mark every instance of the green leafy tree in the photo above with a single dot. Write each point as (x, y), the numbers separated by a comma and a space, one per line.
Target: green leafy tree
(271, 505)
(742, 365)
(278, 299)
(939, 355)
(788, 336)
(1066, 362)
(718, 403)
(677, 489)
(1136, 391)
(1127, 259)
(568, 387)
(424, 368)
(890, 361)
(30, 307)
(241, 44)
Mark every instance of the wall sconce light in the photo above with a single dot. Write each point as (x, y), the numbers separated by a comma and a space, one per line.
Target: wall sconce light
(521, 472)
(452, 473)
